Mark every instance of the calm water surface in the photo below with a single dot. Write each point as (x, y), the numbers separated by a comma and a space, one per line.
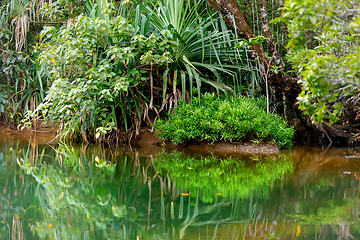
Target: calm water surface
(67, 192)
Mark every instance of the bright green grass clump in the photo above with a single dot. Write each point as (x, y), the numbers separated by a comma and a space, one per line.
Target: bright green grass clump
(215, 119)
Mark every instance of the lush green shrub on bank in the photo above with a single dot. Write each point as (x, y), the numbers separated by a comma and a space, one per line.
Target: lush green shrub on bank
(216, 119)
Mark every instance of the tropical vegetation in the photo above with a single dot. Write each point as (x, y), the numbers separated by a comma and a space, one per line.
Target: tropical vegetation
(101, 70)
(216, 119)
(324, 50)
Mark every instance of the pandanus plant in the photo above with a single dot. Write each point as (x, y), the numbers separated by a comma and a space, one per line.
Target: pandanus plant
(205, 47)
(19, 14)
(23, 82)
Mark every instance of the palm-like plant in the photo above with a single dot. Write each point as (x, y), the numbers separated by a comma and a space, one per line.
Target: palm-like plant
(205, 46)
(20, 20)
(19, 13)
(23, 81)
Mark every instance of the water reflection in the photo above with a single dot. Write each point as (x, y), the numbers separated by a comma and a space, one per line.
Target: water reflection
(65, 192)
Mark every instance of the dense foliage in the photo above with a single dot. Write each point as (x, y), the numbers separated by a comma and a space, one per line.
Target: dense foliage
(107, 69)
(325, 51)
(233, 119)
(101, 69)
(85, 94)
(22, 79)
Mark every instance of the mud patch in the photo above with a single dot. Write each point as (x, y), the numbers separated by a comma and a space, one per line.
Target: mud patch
(41, 135)
(149, 141)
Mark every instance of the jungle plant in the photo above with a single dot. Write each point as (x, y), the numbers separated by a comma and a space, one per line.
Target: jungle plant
(62, 10)
(324, 48)
(216, 119)
(205, 47)
(18, 14)
(92, 75)
(22, 80)
(28, 89)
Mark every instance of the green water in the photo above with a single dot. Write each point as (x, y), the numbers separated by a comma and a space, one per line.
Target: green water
(64, 192)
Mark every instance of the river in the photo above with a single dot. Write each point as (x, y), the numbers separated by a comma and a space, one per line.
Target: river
(75, 192)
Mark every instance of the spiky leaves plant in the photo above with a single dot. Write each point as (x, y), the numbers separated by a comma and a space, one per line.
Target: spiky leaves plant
(205, 47)
(19, 13)
(22, 80)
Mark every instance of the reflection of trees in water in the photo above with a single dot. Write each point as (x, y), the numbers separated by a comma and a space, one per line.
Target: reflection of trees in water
(115, 194)
(17, 189)
(322, 195)
(322, 204)
(226, 189)
(57, 198)
(80, 193)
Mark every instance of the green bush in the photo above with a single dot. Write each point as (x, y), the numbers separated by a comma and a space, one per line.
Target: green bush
(216, 119)
(92, 65)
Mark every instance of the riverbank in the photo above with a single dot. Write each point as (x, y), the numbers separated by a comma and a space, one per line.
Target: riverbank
(44, 134)
(148, 139)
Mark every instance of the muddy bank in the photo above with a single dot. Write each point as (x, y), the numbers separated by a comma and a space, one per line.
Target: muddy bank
(42, 135)
(149, 140)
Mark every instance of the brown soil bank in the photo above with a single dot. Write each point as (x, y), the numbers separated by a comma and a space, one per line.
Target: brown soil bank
(42, 135)
(148, 139)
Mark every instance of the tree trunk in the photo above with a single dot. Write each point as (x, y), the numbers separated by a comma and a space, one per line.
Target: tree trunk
(231, 12)
(278, 79)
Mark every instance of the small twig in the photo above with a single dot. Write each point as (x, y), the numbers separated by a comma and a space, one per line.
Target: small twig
(42, 131)
(57, 135)
(60, 22)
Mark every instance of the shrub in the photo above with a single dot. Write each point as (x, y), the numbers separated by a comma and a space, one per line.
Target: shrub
(234, 119)
(92, 65)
